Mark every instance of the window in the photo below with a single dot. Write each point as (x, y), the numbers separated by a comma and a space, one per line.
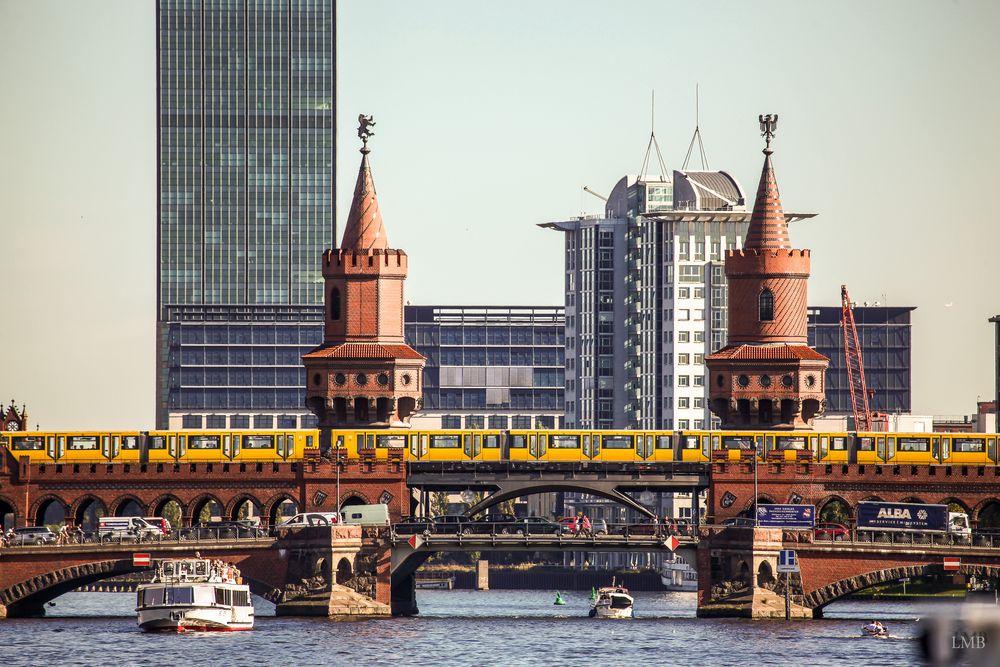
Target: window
(683, 292)
(683, 402)
(699, 314)
(683, 380)
(699, 380)
(683, 424)
(521, 422)
(192, 421)
(498, 421)
(766, 303)
(699, 292)
(683, 336)
(215, 421)
(451, 421)
(699, 403)
(335, 304)
(683, 314)
(699, 336)
(475, 421)
(699, 358)
(699, 424)
(683, 358)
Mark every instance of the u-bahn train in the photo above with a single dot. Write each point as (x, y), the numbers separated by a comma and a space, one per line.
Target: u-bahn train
(504, 445)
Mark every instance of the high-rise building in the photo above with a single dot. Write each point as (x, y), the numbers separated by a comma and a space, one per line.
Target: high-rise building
(245, 160)
(489, 366)
(647, 300)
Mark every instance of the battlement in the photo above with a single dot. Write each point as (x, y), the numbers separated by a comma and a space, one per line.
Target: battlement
(757, 262)
(767, 252)
(339, 260)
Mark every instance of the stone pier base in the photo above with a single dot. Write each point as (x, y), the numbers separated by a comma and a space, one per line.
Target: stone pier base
(339, 603)
(482, 575)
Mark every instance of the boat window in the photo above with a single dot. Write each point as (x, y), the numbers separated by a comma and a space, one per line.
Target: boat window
(223, 596)
(564, 442)
(203, 442)
(913, 444)
(258, 442)
(82, 442)
(968, 445)
(178, 595)
(617, 442)
(152, 597)
(241, 599)
(201, 568)
(391, 441)
(446, 441)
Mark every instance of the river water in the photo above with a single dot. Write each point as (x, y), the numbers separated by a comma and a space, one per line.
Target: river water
(474, 628)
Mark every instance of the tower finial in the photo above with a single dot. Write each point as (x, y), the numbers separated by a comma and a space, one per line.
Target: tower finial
(364, 131)
(768, 124)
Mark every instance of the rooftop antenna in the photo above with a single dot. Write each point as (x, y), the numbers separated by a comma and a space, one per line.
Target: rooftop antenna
(697, 135)
(653, 143)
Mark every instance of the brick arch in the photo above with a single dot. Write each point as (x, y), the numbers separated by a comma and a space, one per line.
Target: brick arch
(832, 592)
(230, 509)
(159, 501)
(873, 499)
(354, 496)
(4, 500)
(115, 505)
(832, 497)
(762, 498)
(194, 507)
(271, 506)
(81, 502)
(978, 509)
(913, 499)
(958, 501)
(33, 519)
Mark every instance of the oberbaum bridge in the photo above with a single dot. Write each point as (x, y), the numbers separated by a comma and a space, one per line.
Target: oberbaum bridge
(351, 570)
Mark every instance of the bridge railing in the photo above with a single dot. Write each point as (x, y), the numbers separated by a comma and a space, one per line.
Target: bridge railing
(520, 528)
(183, 535)
(907, 538)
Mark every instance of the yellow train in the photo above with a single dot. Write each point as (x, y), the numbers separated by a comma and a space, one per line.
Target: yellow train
(505, 445)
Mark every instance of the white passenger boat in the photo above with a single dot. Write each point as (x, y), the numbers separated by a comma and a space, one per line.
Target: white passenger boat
(194, 595)
(612, 602)
(678, 575)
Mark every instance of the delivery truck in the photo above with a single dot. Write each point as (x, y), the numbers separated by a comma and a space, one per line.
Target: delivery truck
(912, 517)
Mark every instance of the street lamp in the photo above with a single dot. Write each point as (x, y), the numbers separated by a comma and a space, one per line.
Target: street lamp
(756, 519)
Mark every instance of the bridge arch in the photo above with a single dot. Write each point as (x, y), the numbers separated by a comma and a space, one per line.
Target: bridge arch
(86, 511)
(49, 506)
(345, 571)
(355, 498)
(272, 508)
(8, 513)
(832, 592)
(912, 499)
(168, 506)
(128, 505)
(834, 508)
(873, 499)
(762, 499)
(237, 503)
(952, 501)
(987, 514)
(196, 508)
(520, 490)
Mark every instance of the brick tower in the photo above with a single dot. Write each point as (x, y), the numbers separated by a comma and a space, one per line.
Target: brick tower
(364, 374)
(767, 377)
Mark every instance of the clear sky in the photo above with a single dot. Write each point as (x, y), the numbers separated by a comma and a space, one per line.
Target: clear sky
(491, 117)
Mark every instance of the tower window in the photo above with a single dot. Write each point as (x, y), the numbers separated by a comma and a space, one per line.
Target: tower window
(766, 303)
(335, 304)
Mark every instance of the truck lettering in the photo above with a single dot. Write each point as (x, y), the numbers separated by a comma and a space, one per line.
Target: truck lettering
(894, 513)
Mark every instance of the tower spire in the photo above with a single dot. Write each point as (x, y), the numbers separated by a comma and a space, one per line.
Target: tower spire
(768, 228)
(364, 230)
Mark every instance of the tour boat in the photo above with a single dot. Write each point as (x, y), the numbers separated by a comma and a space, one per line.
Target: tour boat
(612, 602)
(194, 595)
(678, 575)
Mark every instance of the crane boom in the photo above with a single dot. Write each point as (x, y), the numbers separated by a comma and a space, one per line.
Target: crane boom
(855, 365)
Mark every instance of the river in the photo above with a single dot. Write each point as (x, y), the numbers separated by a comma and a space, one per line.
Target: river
(474, 628)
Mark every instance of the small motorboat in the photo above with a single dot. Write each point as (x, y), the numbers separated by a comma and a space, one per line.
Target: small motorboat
(875, 629)
(612, 602)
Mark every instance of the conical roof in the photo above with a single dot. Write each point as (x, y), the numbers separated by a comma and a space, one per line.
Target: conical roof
(768, 228)
(364, 229)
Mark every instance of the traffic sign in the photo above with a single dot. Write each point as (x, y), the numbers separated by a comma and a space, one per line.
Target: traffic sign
(788, 561)
(671, 542)
(140, 560)
(952, 564)
(415, 541)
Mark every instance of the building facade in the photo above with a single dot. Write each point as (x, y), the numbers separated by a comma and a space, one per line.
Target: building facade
(489, 366)
(245, 183)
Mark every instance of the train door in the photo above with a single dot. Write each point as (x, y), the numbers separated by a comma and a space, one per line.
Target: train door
(644, 446)
(418, 445)
(758, 446)
(706, 448)
(587, 453)
(228, 446)
(537, 445)
(890, 448)
(472, 445)
(55, 446)
(814, 447)
(595, 445)
(769, 445)
(108, 447)
(823, 447)
(880, 448)
(945, 450)
(176, 446)
(991, 449)
(936, 449)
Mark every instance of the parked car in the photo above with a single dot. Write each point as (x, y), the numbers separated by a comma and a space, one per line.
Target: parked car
(309, 519)
(226, 530)
(159, 522)
(32, 535)
(452, 524)
(500, 524)
(126, 528)
(830, 531)
(740, 522)
(415, 525)
(536, 525)
(642, 528)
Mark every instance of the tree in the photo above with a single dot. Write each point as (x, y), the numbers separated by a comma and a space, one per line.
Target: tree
(835, 511)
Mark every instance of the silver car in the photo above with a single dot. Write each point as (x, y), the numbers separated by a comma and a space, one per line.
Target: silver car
(34, 535)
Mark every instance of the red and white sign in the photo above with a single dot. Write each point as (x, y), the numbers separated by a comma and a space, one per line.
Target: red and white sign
(140, 560)
(952, 564)
(415, 541)
(671, 542)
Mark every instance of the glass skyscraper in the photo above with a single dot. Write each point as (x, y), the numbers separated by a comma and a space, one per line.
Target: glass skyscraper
(246, 141)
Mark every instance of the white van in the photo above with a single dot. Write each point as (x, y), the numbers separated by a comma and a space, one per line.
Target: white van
(366, 515)
(122, 528)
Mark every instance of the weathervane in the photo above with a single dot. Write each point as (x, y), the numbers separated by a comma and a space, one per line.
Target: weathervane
(768, 124)
(364, 130)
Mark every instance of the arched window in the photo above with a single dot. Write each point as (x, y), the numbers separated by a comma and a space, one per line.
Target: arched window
(766, 305)
(335, 304)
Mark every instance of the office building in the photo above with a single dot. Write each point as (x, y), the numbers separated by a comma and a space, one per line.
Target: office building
(245, 165)
(489, 366)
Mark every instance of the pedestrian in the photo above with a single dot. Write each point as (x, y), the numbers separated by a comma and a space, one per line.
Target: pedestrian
(63, 537)
(586, 529)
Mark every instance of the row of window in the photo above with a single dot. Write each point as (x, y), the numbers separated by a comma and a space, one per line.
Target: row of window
(515, 422)
(248, 421)
(434, 334)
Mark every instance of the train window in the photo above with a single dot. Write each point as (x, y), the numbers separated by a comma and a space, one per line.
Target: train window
(791, 442)
(866, 444)
(390, 441)
(370, 442)
(309, 441)
(838, 442)
(26, 444)
(258, 442)
(968, 445)
(913, 444)
(737, 442)
(491, 441)
(690, 442)
(156, 442)
(617, 442)
(564, 442)
(130, 442)
(664, 442)
(446, 441)
(82, 442)
(203, 442)
(518, 442)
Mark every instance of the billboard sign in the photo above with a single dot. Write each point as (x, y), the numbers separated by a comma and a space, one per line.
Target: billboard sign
(786, 516)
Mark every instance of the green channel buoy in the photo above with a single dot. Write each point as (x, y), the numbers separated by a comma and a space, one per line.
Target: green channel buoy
(559, 598)
(593, 593)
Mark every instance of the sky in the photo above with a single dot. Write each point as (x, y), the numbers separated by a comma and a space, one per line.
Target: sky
(491, 117)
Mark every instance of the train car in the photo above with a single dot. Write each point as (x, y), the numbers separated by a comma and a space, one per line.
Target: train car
(833, 447)
(73, 447)
(694, 446)
(216, 446)
(968, 448)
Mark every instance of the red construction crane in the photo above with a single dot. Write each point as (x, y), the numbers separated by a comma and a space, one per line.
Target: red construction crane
(864, 418)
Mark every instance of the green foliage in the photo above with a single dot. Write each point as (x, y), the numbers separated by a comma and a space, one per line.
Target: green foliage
(835, 511)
